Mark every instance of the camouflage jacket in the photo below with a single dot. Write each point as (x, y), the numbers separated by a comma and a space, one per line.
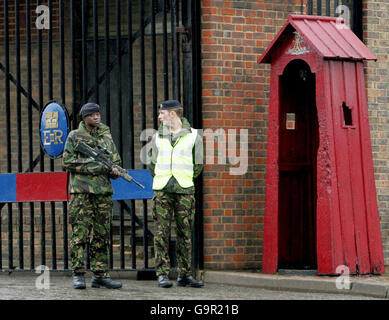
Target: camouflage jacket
(173, 185)
(86, 174)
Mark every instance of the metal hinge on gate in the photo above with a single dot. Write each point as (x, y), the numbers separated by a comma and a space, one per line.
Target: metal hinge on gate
(185, 32)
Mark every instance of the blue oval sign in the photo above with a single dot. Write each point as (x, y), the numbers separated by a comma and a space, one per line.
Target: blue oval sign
(54, 129)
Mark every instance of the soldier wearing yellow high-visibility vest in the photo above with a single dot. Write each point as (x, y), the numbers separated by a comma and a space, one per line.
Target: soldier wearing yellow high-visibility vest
(176, 160)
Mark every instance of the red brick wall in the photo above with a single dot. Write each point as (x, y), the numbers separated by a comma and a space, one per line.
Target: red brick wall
(235, 95)
(376, 33)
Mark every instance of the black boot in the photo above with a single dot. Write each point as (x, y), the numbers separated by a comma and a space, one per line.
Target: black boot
(183, 281)
(164, 282)
(79, 282)
(105, 282)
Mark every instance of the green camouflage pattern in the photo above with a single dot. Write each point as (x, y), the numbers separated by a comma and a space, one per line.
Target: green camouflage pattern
(181, 208)
(90, 218)
(91, 206)
(173, 186)
(86, 174)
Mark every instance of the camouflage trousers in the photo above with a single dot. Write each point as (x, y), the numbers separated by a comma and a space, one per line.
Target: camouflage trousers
(180, 207)
(90, 218)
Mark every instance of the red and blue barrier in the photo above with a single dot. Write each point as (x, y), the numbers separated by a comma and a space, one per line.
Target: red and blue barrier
(51, 186)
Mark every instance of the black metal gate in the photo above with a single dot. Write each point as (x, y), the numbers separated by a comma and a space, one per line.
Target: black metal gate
(125, 55)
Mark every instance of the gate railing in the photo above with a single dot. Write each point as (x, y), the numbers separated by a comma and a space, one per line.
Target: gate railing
(93, 50)
(51, 186)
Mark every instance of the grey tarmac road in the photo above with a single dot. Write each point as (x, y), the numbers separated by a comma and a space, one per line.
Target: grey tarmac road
(23, 287)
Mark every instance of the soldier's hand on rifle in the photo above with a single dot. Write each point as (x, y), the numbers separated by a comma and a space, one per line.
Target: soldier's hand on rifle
(115, 172)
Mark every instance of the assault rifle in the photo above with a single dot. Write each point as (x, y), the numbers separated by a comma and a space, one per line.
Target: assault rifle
(99, 155)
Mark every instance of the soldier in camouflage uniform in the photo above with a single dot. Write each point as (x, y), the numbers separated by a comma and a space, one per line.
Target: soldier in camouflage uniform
(174, 190)
(91, 207)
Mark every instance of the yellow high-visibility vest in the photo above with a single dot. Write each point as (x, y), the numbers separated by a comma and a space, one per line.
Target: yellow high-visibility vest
(175, 161)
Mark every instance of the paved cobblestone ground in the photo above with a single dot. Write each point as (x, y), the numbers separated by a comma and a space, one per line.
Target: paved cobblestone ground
(23, 287)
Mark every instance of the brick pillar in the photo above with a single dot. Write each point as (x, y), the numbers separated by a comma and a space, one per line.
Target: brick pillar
(235, 96)
(376, 31)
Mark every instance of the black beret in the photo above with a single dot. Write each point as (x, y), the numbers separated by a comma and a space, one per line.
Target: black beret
(88, 109)
(169, 104)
